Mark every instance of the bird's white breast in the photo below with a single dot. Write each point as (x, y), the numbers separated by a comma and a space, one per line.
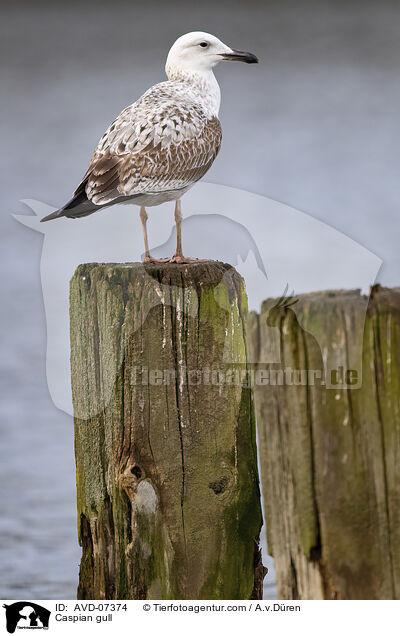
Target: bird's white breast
(201, 86)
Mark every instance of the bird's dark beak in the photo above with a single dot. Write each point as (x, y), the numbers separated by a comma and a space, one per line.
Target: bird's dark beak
(240, 56)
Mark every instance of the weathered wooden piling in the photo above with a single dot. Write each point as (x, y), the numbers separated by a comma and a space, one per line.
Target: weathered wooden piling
(330, 457)
(167, 481)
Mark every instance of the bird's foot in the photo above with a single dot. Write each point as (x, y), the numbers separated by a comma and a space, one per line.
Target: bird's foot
(176, 258)
(186, 260)
(150, 259)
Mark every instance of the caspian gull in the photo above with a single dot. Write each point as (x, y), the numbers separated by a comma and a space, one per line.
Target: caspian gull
(158, 147)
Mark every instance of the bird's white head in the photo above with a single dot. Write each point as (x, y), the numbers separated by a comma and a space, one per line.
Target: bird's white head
(199, 52)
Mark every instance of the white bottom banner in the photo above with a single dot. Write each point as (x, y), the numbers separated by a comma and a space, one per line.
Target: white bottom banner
(95, 617)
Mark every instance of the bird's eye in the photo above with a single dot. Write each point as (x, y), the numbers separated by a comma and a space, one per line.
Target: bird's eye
(203, 44)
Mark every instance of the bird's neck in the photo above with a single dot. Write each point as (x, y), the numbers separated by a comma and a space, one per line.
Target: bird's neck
(202, 83)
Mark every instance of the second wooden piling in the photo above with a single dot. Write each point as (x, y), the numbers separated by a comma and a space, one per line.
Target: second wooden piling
(330, 453)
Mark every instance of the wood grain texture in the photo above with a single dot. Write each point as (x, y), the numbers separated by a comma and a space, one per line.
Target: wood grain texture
(330, 464)
(167, 481)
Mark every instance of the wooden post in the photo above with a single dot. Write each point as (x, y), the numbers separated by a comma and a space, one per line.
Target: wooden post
(329, 457)
(167, 482)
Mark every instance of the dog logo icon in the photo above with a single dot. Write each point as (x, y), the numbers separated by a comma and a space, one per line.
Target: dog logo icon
(26, 615)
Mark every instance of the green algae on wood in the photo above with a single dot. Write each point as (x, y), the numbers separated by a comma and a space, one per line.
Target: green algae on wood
(167, 481)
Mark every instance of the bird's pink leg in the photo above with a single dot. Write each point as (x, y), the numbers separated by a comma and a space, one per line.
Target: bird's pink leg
(143, 218)
(178, 257)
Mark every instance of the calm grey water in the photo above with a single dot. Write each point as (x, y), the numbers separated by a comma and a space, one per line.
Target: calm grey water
(315, 125)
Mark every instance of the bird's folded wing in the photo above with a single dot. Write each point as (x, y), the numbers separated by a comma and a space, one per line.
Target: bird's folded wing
(152, 150)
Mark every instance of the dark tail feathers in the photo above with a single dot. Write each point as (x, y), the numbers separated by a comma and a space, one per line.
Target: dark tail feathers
(77, 207)
(53, 215)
